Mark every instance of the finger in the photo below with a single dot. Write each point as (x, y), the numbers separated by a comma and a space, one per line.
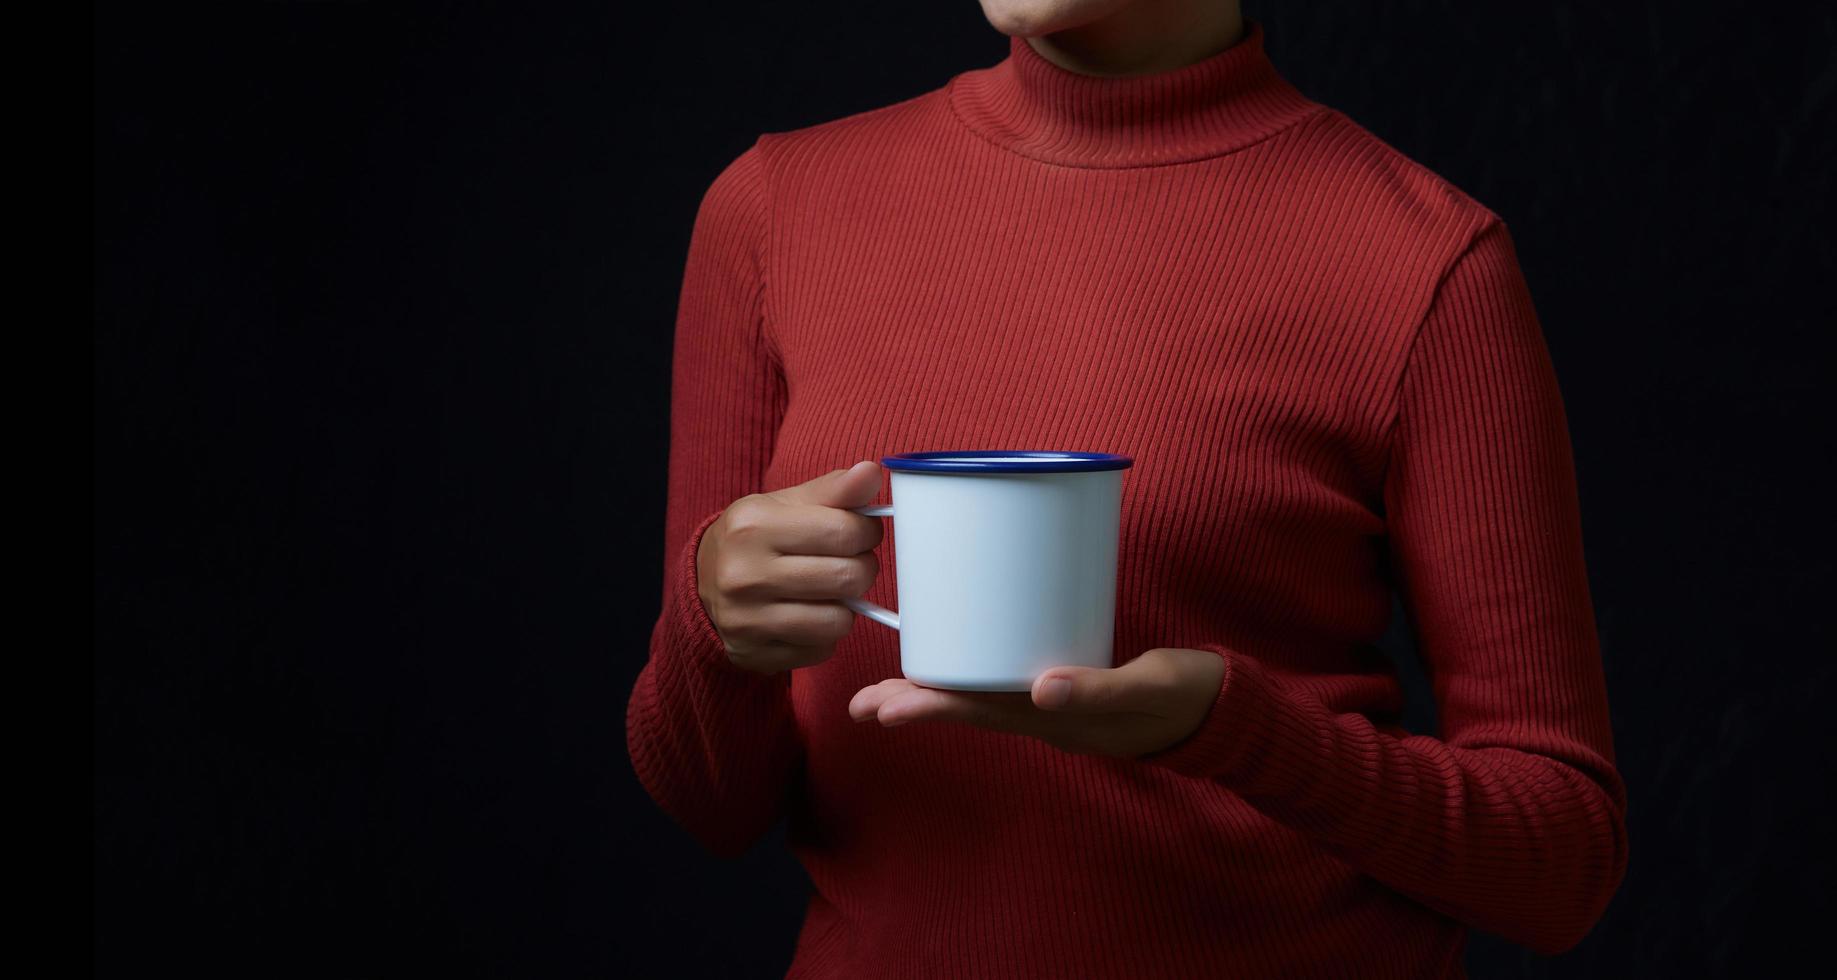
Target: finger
(851, 486)
(816, 530)
(773, 658)
(797, 622)
(821, 576)
(867, 701)
(1002, 712)
(1142, 685)
(786, 523)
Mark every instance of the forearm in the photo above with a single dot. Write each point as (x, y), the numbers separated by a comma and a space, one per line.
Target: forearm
(1513, 818)
(1527, 845)
(714, 745)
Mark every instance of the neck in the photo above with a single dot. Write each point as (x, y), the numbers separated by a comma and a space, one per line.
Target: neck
(1144, 37)
(1220, 103)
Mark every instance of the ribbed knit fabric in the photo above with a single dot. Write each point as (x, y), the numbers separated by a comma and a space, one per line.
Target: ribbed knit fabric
(1327, 366)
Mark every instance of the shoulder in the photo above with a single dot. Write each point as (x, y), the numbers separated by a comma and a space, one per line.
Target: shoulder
(1371, 232)
(817, 154)
(745, 185)
(780, 167)
(1379, 192)
(734, 213)
(829, 164)
(872, 132)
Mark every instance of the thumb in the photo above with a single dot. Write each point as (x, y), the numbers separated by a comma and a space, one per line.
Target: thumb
(854, 486)
(1141, 684)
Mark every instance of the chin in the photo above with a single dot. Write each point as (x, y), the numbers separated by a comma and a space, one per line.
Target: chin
(1034, 18)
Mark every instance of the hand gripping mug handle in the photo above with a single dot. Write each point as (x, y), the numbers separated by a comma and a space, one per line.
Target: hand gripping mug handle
(877, 613)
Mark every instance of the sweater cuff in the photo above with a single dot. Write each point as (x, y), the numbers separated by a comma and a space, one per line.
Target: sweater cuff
(1219, 747)
(691, 642)
(693, 632)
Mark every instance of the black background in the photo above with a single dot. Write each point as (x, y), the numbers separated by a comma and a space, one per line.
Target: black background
(383, 304)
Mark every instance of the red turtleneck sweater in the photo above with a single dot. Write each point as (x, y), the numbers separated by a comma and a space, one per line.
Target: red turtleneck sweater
(1327, 366)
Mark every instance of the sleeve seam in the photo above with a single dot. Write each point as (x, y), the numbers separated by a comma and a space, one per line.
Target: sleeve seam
(1393, 410)
(765, 255)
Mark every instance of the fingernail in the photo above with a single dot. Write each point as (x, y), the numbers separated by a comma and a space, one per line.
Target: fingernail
(1055, 693)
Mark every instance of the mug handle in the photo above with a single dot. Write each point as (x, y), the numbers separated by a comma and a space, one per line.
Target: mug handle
(878, 613)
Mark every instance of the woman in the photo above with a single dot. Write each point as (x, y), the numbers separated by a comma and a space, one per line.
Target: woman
(1133, 235)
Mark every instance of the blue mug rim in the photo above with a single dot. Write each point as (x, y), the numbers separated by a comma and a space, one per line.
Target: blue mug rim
(1033, 461)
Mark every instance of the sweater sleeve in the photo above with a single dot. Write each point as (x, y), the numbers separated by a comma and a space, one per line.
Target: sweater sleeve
(715, 745)
(1513, 820)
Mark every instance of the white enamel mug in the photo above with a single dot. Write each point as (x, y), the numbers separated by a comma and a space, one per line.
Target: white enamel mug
(1005, 565)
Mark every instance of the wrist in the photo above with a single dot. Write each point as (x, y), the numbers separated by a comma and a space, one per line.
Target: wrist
(698, 637)
(1216, 746)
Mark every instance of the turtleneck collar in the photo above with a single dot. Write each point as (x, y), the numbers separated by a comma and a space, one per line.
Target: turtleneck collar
(1221, 103)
